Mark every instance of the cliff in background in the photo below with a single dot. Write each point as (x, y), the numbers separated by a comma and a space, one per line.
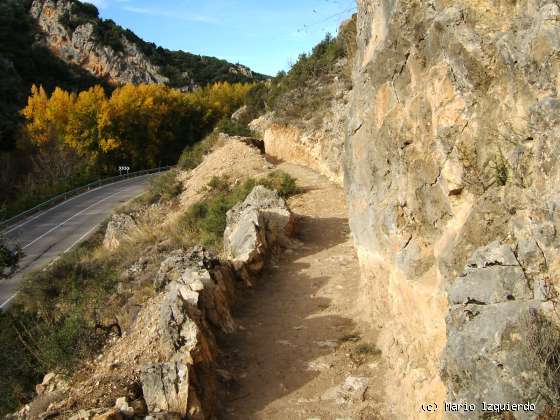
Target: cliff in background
(78, 45)
(64, 43)
(23, 62)
(76, 34)
(452, 179)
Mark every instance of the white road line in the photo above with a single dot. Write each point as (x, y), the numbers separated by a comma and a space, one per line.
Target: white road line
(67, 220)
(55, 260)
(8, 301)
(51, 263)
(67, 201)
(85, 235)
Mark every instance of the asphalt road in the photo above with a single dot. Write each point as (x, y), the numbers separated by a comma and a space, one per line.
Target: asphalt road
(46, 235)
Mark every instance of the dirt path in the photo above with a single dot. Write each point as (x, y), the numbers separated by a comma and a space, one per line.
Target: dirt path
(299, 354)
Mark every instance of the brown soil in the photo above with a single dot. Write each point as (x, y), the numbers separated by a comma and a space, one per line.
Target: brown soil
(234, 160)
(298, 341)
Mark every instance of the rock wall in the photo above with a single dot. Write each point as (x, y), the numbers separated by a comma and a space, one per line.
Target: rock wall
(80, 47)
(451, 173)
(255, 229)
(318, 144)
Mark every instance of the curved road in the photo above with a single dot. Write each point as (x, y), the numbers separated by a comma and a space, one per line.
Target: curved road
(55, 231)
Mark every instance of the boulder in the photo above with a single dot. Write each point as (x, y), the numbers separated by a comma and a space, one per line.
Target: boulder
(261, 124)
(166, 387)
(198, 292)
(203, 282)
(122, 405)
(174, 266)
(119, 228)
(255, 228)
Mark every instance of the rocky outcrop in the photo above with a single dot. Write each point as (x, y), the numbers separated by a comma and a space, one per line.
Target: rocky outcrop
(199, 293)
(318, 144)
(192, 270)
(452, 182)
(240, 113)
(254, 229)
(80, 47)
(118, 229)
(485, 358)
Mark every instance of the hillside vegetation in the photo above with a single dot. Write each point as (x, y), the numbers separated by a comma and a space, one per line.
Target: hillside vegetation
(24, 62)
(74, 138)
(27, 59)
(305, 90)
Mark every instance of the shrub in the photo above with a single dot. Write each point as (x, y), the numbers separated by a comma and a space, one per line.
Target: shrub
(51, 325)
(303, 91)
(9, 259)
(218, 184)
(164, 187)
(281, 182)
(20, 370)
(71, 339)
(233, 128)
(193, 155)
(86, 9)
(542, 350)
(205, 222)
(108, 33)
(257, 101)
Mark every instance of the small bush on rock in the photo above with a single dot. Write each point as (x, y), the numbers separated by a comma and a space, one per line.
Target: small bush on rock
(164, 187)
(205, 222)
(542, 349)
(233, 128)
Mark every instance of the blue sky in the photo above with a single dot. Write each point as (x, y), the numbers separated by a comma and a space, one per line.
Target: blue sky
(265, 35)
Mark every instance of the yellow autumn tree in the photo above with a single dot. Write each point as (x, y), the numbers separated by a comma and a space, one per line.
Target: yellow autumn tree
(47, 118)
(35, 113)
(138, 120)
(82, 130)
(139, 125)
(59, 109)
(46, 125)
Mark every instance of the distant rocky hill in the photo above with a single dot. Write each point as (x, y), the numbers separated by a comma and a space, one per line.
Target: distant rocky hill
(65, 43)
(76, 34)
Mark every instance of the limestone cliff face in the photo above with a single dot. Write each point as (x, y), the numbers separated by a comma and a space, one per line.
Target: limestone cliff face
(80, 47)
(452, 178)
(318, 144)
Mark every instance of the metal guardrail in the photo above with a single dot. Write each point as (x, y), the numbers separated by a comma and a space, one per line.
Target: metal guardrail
(76, 191)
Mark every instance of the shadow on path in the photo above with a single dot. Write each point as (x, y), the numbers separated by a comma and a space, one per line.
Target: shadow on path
(283, 325)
